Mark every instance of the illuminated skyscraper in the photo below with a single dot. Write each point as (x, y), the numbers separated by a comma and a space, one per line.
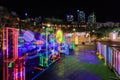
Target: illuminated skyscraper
(81, 17)
(91, 21)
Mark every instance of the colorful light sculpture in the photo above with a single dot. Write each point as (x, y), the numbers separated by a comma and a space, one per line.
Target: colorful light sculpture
(13, 68)
(20, 47)
(28, 36)
(59, 36)
(50, 43)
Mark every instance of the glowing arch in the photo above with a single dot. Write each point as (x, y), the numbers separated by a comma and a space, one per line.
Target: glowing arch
(59, 36)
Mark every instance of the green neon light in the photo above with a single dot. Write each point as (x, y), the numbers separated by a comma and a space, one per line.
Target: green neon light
(41, 58)
(73, 45)
(48, 30)
(52, 61)
(52, 40)
(20, 45)
(10, 65)
(46, 63)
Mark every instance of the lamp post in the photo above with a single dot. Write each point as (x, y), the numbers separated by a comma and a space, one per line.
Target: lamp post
(74, 29)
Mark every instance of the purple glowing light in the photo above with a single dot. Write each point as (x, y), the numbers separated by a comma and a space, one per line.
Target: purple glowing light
(88, 58)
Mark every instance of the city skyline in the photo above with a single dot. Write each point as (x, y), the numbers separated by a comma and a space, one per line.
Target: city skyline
(105, 10)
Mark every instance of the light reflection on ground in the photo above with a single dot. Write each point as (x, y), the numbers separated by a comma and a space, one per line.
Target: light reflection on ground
(88, 58)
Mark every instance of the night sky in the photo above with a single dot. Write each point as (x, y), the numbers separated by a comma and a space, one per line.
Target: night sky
(105, 10)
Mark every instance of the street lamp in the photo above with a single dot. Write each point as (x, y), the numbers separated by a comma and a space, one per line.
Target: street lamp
(93, 30)
(26, 14)
(74, 29)
(43, 27)
(48, 25)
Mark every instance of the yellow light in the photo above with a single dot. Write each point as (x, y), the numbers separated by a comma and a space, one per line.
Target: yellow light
(59, 36)
(48, 25)
(76, 40)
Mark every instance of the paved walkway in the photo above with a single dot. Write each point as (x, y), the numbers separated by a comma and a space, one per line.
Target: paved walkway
(81, 64)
